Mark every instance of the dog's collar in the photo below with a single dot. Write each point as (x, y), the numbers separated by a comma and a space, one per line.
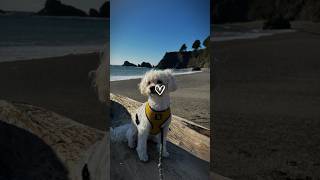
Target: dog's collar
(156, 118)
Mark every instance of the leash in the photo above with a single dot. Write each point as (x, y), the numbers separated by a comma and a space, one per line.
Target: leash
(160, 167)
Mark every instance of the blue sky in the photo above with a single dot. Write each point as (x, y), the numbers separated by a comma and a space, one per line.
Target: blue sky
(143, 30)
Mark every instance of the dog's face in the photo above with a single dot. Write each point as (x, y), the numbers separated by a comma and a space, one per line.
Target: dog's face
(152, 78)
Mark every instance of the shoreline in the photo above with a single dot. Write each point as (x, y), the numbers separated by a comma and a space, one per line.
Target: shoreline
(68, 55)
(251, 35)
(253, 30)
(60, 52)
(124, 78)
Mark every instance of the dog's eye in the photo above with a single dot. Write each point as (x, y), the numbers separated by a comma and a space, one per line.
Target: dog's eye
(149, 82)
(159, 82)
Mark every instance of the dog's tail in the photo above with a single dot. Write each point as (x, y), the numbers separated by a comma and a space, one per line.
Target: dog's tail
(119, 134)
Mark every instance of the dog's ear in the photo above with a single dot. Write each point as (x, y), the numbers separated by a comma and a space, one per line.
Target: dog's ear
(172, 80)
(143, 85)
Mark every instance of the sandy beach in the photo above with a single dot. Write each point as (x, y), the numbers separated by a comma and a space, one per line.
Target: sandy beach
(59, 84)
(266, 106)
(190, 101)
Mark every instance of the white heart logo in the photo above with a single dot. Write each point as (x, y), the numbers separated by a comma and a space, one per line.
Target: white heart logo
(160, 89)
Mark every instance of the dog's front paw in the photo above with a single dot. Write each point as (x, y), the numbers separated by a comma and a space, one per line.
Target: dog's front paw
(142, 156)
(165, 154)
(131, 144)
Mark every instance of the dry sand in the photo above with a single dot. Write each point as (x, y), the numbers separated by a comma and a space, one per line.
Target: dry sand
(191, 101)
(267, 107)
(59, 84)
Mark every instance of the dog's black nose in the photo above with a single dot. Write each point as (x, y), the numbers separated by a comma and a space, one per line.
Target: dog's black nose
(152, 89)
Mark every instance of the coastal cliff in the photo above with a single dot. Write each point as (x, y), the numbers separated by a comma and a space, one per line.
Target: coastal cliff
(56, 8)
(104, 11)
(186, 59)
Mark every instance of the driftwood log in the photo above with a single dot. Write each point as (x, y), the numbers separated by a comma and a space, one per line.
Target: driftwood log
(189, 150)
(40, 144)
(183, 133)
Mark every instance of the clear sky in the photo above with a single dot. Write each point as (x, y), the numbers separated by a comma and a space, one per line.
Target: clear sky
(36, 5)
(143, 30)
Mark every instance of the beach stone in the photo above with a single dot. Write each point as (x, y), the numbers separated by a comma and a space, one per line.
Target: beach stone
(277, 22)
(196, 69)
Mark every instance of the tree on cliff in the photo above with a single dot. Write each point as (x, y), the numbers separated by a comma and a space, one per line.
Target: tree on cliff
(196, 44)
(183, 48)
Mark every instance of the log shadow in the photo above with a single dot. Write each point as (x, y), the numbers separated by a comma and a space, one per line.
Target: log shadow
(23, 155)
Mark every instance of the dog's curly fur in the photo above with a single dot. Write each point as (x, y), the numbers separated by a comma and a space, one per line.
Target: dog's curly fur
(133, 132)
(140, 126)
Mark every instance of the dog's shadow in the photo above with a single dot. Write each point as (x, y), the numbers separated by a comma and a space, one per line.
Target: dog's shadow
(119, 115)
(125, 163)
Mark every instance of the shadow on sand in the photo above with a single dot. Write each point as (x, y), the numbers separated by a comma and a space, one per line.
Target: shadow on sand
(25, 156)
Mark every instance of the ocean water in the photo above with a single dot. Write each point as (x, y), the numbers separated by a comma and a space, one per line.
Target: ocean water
(232, 32)
(28, 37)
(118, 72)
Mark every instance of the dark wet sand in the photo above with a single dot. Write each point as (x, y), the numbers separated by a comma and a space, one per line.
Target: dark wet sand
(59, 84)
(267, 107)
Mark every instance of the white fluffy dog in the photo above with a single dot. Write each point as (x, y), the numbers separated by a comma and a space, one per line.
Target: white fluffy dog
(154, 114)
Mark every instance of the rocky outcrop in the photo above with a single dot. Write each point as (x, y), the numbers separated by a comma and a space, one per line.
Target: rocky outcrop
(56, 8)
(127, 63)
(196, 69)
(277, 22)
(227, 11)
(187, 59)
(104, 11)
(145, 64)
(94, 13)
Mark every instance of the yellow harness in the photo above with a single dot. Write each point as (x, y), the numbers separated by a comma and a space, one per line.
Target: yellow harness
(156, 118)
